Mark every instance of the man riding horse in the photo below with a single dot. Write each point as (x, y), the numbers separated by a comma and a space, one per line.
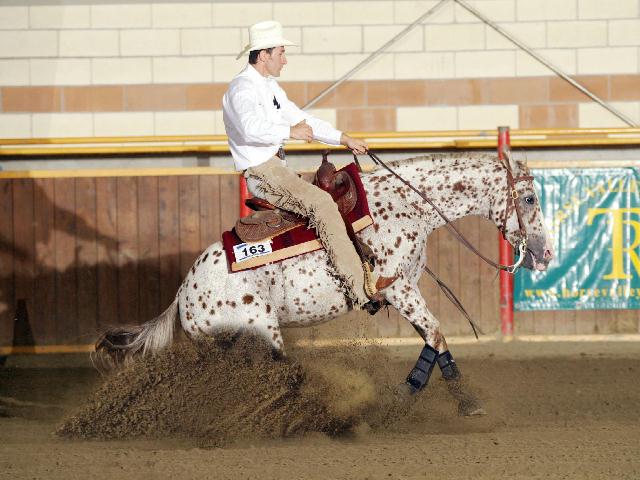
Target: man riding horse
(301, 292)
(258, 118)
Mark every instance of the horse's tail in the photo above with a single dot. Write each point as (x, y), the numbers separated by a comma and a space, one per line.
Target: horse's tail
(119, 345)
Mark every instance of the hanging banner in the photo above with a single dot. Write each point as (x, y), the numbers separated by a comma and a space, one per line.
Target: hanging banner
(594, 220)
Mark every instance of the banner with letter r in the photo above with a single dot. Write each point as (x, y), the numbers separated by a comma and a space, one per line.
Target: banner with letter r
(594, 220)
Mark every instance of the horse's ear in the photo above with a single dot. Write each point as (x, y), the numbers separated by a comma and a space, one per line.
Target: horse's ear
(515, 167)
(522, 167)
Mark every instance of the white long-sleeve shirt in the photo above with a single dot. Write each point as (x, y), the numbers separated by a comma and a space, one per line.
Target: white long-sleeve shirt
(256, 127)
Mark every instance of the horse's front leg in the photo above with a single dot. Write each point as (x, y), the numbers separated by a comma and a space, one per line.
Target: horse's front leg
(412, 306)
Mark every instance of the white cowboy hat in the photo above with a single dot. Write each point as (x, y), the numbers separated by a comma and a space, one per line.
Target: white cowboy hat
(265, 35)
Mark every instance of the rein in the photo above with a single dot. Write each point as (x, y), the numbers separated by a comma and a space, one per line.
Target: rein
(511, 205)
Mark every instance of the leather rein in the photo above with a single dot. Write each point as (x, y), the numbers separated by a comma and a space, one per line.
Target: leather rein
(512, 204)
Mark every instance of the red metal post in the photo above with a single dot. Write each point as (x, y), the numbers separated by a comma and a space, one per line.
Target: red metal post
(506, 255)
(244, 194)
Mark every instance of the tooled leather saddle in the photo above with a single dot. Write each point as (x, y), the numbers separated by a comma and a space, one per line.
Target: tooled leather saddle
(268, 221)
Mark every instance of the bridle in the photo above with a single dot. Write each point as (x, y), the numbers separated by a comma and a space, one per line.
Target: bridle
(512, 204)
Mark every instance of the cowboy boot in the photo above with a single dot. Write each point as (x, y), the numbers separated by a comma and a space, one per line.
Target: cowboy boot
(372, 289)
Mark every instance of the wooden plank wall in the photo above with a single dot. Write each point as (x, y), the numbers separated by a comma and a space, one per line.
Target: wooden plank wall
(87, 253)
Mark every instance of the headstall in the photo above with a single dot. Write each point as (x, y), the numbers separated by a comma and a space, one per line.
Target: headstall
(512, 204)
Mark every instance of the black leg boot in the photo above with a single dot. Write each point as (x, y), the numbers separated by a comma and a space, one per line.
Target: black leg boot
(419, 375)
(403, 395)
(468, 403)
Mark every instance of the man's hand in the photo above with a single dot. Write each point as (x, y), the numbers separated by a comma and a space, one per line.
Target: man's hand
(301, 131)
(356, 145)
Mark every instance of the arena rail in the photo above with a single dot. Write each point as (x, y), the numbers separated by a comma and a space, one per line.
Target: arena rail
(407, 140)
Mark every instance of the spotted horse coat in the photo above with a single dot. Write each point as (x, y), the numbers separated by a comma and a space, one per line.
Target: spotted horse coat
(303, 291)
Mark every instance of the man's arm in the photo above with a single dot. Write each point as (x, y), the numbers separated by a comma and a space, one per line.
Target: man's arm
(356, 145)
(301, 131)
(321, 130)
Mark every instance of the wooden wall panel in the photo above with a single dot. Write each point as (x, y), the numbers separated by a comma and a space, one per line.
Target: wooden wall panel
(7, 254)
(489, 285)
(564, 322)
(606, 321)
(469, 270)
(86, 244)
(127, 222)
(149, 248)
(23, 236)
(428, 287)
(450, 274)
(627, 321)
(585, 322)
(107, 252)
(189, 198)
(229, 201)
(66, 262)
(98, 252)
(210, 230)
(169, 245)
(44, 324)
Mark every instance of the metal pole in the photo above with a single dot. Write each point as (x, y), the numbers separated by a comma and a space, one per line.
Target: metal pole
(547, 64)
(370, 58)
(506, 256)
(244, 194)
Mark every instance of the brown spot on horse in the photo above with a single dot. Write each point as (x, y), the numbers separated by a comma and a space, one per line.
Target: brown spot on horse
(247, 299)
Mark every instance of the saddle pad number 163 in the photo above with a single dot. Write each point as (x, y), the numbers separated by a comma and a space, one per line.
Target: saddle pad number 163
(245, 251)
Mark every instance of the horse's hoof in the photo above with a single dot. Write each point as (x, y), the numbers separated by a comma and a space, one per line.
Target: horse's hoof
(471, 409)
(403, 392)
(478, 412)
(395, 405)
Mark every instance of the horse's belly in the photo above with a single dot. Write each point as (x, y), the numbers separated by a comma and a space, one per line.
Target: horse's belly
(312, 315)
(311, 294)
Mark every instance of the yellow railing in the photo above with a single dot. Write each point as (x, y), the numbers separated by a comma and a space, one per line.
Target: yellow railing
(410, 140)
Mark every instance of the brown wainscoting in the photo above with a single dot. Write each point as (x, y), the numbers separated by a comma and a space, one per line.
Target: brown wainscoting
(87, 253)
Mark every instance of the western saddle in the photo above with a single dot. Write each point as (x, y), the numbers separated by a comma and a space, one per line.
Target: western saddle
(268, 221)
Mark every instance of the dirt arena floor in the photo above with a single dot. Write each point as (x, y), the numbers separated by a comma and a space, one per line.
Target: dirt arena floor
(555, 410)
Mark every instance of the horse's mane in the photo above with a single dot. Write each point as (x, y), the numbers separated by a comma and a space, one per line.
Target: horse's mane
(457, 157)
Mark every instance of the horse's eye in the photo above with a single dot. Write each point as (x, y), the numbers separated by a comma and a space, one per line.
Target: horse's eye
(530, 199)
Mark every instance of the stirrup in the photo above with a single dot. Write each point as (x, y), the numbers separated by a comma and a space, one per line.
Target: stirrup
(372, 287)
(373, 306)
(369, 283)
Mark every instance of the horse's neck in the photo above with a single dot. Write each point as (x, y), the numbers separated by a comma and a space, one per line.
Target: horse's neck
(458, 186)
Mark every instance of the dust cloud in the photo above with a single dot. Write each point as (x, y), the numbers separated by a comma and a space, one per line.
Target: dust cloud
(231, 389)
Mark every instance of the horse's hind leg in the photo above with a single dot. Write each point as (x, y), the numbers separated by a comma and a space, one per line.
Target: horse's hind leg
(468, 403)
(260, 318)
(410, 303)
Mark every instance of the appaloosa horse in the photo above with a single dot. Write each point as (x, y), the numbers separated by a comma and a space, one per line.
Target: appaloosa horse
(302, 291)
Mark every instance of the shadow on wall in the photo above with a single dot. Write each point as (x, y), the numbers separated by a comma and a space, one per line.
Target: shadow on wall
(73, 305)
(79, 255)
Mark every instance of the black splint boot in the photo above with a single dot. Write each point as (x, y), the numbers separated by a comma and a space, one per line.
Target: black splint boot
(468, 403)
(419, 375)
(448, 366)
